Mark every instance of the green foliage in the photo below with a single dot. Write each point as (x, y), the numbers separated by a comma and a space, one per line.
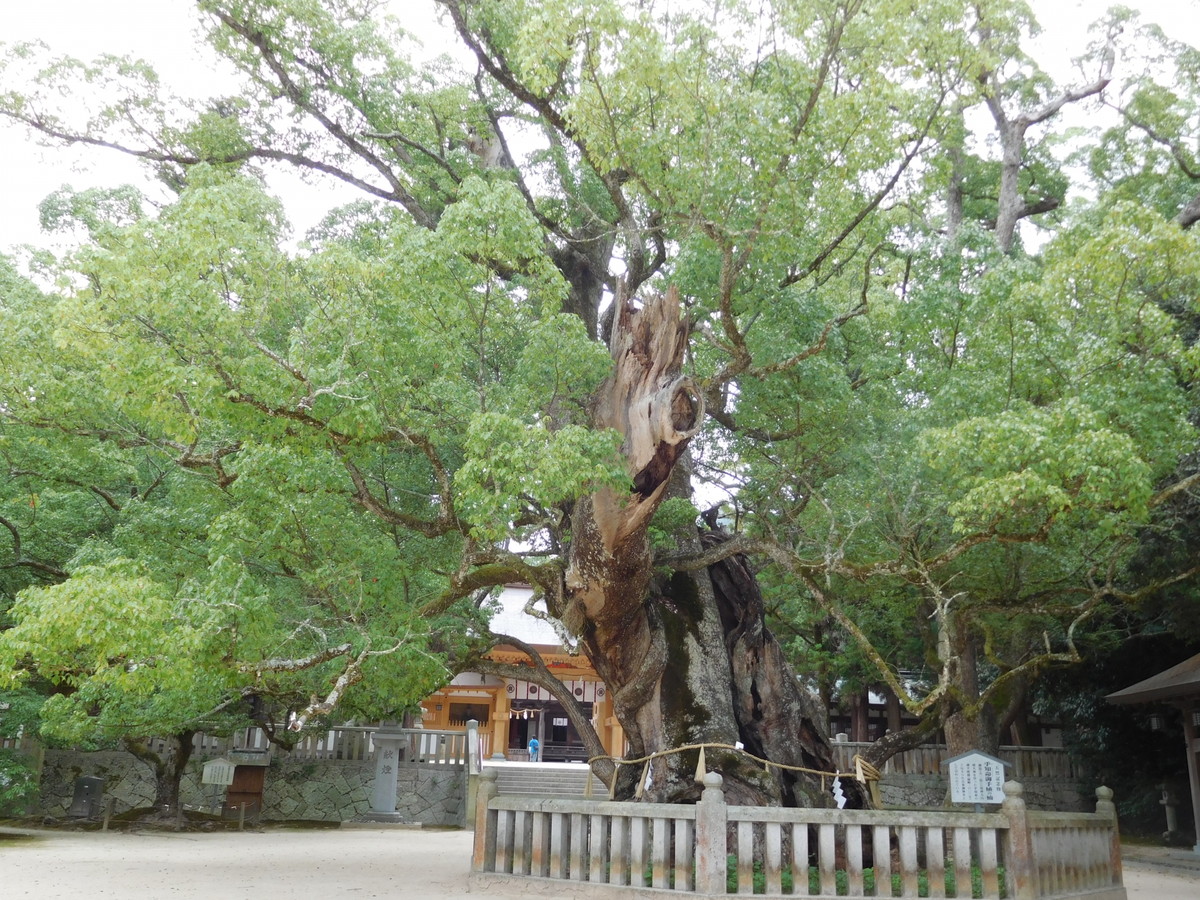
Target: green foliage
(18, 771)
(508, 465)
(91, 210)
(674, 515)
(1040, 403)
(267, 453)
(18, 780)
(870, 885)
(126, 659)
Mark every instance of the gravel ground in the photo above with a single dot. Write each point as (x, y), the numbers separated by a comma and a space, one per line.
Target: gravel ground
(280, 865)
(1158, 873)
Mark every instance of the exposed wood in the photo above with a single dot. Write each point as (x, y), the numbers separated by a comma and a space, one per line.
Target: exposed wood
(724, 678)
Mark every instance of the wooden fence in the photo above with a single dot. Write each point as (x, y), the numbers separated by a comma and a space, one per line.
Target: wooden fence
(712, 849)
(1024, 762)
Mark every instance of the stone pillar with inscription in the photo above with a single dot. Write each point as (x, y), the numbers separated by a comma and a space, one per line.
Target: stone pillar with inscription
(387, 757)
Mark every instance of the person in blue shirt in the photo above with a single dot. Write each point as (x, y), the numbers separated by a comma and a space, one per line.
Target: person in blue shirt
(534, 746)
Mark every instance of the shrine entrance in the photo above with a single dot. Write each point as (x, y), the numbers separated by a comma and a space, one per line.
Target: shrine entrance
(547, 721)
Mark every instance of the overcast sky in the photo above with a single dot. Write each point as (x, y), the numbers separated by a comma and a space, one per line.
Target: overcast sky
(164, 33)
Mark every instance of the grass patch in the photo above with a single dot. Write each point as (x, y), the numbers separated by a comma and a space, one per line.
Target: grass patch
(842, 882)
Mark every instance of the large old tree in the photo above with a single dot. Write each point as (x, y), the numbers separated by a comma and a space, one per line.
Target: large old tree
(611, 253)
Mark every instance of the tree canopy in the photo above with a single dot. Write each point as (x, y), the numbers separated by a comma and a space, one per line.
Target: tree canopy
(710, 321)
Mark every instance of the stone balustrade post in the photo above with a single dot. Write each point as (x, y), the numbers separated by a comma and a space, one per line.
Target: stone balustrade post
(474, 769)
(1106, 807)
(1019, 863)
(712, 818)
(483, 858)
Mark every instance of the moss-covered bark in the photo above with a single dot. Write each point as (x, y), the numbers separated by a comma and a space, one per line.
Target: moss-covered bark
(168, 766)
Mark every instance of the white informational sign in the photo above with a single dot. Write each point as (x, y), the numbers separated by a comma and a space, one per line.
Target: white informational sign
(976, 778)
(218, 771)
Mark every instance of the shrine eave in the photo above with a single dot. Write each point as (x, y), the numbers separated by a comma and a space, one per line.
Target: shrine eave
(1178, 683)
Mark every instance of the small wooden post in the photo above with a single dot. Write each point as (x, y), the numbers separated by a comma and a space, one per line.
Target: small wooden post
(108, 811)
(241, 817)
(711, 853)
(1106, 807)
(483, 857)
(1021, 868)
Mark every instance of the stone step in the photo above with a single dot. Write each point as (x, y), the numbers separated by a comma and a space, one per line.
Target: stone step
(544, 781)
(571, 783)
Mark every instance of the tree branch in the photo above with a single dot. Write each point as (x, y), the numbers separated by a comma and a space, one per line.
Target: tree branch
(540, 675)
(1179, 487)
(297, 95)
(350, 676)
(20, 562)
(295, 664)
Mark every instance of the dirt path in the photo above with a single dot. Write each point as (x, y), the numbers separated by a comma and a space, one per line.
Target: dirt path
(274, 865)
(301, 865)
(1145, 881)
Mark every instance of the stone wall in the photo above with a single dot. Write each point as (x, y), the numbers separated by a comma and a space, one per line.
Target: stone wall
(127, 781)
(312, 790)
(337, 791)
(331, 791)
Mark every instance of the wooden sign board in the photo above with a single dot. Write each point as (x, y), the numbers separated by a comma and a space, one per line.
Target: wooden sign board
(976, 777)
(218, 771)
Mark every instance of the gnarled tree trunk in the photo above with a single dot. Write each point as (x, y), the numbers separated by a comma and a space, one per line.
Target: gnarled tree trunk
(686, 655)
(167, 765)
(971, 723)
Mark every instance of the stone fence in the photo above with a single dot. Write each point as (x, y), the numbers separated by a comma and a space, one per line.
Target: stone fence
(1052, 779)
(1023, 762)
(330, 775)
(431, 783)
(590, 848)
(342, 743)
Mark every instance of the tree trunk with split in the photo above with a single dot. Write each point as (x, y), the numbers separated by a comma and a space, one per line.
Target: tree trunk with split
(686, 656)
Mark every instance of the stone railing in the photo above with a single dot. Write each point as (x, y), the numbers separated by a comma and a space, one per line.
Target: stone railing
(345, 743)
(1074, 854)
(713, 849)
(1024, 762)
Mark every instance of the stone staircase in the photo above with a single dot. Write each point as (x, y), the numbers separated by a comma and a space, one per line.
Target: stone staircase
(546, 780)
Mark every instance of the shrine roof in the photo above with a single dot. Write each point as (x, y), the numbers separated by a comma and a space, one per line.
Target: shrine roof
(1179, 682)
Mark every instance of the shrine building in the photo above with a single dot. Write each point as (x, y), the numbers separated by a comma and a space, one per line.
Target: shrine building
(511, 711)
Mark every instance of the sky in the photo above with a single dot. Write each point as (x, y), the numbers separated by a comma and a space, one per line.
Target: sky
(165, 33)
